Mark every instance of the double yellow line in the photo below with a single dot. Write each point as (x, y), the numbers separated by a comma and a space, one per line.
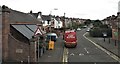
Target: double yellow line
(65, 56)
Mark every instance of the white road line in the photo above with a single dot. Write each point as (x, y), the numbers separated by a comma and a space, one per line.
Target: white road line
(86, 50)
(109, 53)
(81, 54)
(72, 54)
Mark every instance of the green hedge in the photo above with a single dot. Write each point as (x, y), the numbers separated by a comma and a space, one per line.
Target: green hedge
(98, 32)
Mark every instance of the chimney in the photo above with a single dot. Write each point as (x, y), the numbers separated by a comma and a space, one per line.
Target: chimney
(5, 32)
(31, 12)
(40, 13)
(5, 9)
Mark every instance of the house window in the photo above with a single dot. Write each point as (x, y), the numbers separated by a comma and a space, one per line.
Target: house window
(58, 26)
(48, 22)
(43, 22)
(58, 22)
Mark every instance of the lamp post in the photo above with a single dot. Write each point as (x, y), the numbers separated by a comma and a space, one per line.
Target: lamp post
(64, 22)
(51, 17)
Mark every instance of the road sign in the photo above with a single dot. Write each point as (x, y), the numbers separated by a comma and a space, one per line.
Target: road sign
(38, 31)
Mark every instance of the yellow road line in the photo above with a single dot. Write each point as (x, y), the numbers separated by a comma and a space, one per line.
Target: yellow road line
(65, 56)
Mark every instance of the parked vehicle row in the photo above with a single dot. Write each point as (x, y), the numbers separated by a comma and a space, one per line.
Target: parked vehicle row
(42, 42)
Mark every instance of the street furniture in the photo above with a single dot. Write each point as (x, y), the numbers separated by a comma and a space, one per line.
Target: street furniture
(51, 45)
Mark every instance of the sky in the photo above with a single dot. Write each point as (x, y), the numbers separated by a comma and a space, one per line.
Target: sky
(85, 9)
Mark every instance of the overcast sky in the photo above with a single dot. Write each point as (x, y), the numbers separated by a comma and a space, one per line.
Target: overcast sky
(86, 9)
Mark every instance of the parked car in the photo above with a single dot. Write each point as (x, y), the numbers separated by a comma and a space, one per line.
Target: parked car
(52, 36)
(88, 30)
(78, 29)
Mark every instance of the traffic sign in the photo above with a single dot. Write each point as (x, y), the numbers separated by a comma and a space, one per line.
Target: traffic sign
(38, 31)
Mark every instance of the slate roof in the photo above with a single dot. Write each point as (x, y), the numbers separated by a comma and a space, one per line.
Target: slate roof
(17, 16)
(35, 14)
(46, 17)
(26, 29)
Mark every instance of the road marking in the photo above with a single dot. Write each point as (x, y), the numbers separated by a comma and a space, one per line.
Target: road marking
(81, 54)
(49, 56)
(72, 54)
(109, 53)
(65, 55)
(86, 50)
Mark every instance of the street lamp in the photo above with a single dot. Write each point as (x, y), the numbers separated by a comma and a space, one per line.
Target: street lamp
(51, 18)
(52, 10)
(64, 22)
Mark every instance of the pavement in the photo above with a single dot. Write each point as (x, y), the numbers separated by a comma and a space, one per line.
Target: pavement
(54, 55)
(108, 44)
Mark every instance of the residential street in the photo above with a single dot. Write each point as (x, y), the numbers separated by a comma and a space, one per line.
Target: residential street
(87, 52)
(60, 33)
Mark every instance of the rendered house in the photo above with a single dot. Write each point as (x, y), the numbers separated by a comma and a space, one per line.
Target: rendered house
(58, 23)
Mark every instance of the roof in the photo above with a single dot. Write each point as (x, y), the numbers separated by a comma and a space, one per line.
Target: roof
(26, 29)
(17, 16)
(35, 14)
(46, 17)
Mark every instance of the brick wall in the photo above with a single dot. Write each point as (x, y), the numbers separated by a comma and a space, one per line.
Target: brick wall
(18, 51)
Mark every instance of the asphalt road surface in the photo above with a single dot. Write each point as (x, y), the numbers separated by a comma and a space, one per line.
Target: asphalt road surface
(86, 51)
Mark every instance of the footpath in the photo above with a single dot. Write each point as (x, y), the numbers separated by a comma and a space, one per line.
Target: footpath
(107, 43)
(55, 55)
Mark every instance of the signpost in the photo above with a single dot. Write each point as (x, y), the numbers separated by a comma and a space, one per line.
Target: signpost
(37, 33)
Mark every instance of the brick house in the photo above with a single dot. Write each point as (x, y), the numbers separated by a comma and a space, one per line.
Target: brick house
(17, 30)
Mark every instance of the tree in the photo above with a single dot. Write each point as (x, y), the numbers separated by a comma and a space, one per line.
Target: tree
(88, 21)
(97, 23)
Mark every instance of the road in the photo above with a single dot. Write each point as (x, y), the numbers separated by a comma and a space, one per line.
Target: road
(86, 51)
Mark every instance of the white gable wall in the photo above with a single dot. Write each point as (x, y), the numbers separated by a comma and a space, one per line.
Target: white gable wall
(45, 23)
(57, 24)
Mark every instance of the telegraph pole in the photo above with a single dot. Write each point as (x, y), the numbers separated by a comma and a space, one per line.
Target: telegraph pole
(64, 22)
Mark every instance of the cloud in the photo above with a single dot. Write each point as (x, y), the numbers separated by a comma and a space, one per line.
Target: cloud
(92, 9)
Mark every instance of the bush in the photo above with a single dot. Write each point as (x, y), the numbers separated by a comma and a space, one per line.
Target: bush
(98, 32)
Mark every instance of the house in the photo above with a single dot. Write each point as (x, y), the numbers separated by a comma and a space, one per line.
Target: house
(58, 23)
(45, 20)
(18, 29)
(113, 23)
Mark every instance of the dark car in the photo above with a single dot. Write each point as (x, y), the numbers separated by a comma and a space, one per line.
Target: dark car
(52, 36)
